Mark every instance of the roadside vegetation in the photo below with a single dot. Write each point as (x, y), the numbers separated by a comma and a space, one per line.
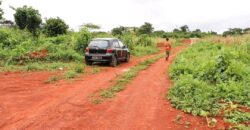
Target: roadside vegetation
(212, 79)
(27, 44)
(123, 80)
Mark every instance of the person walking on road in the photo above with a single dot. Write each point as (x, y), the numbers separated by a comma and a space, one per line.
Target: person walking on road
(167, 45)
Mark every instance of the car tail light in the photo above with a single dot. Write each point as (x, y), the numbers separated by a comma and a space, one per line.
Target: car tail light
(87, 50)
(110, 50)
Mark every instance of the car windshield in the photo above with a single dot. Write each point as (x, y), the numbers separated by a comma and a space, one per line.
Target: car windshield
(99, 43)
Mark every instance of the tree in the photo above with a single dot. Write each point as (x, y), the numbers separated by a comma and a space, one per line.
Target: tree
(118, 31)
(91, 26)
(197, 31)
(246, 30)
(184, 28)
(233, 31)
(236, 31)
(28, 18)
(159, 33)
(146, 28)
(55, 27)
(176, 30)
(1, 11)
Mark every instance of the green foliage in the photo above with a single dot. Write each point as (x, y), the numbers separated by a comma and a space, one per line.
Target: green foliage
(70, 74)
(234, 31)
(9, 38)
(79, 68)
(237, 117)
(184, 32)
(118, 31)
(52, 79)
(207, 75)
(28, 18)
(142, 50)
(91, 26)
(17, 47)
(159, 33)
(184, 28)
(100, 34)
(146, 28)
(82, 40)
(55, 26)
(139, 45)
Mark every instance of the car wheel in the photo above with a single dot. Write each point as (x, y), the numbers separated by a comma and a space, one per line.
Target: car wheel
(114, 62)
(127, 58)
(88, 62)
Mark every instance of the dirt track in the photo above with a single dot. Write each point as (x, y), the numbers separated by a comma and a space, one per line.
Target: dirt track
(27, 103)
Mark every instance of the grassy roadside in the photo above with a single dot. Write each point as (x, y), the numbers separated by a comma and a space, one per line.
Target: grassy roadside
(123, 80)
(212, 79)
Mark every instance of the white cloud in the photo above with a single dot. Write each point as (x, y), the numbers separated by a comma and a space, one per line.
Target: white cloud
(207, 15)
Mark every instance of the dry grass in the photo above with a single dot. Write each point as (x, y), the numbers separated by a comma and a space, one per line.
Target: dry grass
(228, 40)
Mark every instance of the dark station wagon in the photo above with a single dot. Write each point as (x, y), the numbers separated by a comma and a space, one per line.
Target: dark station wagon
(109, 50)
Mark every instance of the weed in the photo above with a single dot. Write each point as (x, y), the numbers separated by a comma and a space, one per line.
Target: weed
(107, 93)
(79, 68)
(97, 101)
(95, 70)
(70, 74)
(52, 79)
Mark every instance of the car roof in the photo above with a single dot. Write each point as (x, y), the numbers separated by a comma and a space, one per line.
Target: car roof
(109, 39)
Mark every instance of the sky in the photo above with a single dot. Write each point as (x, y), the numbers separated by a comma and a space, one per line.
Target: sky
(207, 15)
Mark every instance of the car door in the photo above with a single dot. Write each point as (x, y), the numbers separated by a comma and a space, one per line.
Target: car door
(118, 49)
(123, 50)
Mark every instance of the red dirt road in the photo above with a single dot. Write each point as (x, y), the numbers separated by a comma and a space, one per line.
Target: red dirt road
(26, 99)
(27, 103)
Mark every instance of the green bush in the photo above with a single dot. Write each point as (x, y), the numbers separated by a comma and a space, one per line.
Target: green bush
(145, 40)
(55, 27)
(16, 46)
(70, 74)
(207, 75)
(82, 40)
(139, 45)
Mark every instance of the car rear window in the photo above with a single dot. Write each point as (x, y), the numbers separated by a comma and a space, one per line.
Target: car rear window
(99, 43)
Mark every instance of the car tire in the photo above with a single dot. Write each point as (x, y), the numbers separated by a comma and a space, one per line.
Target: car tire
(127, 58)
(88, 62)
(114, 61)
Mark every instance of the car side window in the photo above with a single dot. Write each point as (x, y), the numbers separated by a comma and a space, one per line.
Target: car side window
(121, 44)
(116, 44)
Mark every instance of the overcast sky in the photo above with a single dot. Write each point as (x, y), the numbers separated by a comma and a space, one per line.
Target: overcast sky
(216, 15)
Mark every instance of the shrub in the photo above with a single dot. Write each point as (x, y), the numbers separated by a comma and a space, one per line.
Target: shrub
(207, 76)
(70, 74)
(55, 27)
(82, 40)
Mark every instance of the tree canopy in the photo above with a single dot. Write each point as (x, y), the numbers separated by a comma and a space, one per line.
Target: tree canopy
(55, 27)
(146, 28)
(27, 18)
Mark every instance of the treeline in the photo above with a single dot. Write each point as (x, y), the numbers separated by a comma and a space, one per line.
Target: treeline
(236, 31)
(147, 28)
